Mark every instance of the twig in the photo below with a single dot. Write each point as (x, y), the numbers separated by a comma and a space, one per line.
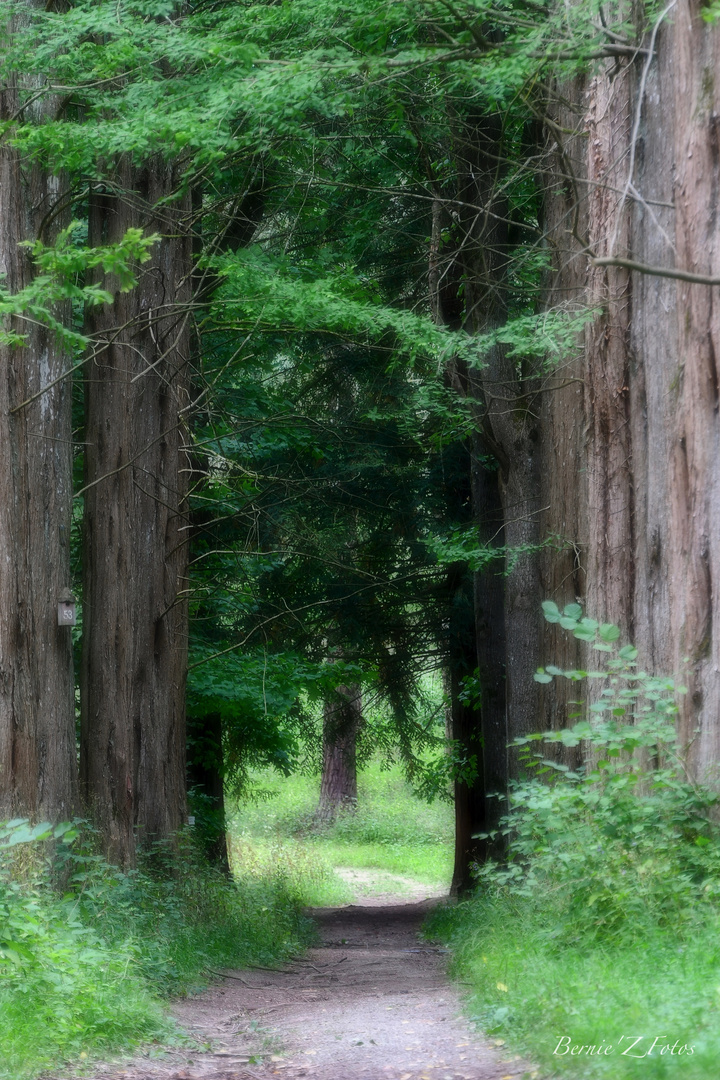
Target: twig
(649, 54)
(280, 1005)
(655, 271)
(238, 978)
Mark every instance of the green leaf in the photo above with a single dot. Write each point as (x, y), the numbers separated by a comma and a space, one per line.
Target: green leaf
(573, 611)
(609, 632)
(551, 611)
(26, 834)
(541, 676)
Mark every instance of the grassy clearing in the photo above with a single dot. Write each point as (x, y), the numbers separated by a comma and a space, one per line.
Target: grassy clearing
(391, 831)
(533, 989)
(84, 973)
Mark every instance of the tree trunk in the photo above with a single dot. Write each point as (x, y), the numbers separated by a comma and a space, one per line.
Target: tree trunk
(207, 788)
(489, 606)
(135, 527)
(675, 411)
(38, 776)
(504, 389)
(479, 732)
(564, 405)
(466, 724)
(469, 794)
(647, 420)
(342, 721)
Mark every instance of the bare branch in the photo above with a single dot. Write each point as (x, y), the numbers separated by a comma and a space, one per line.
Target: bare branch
(656, 271)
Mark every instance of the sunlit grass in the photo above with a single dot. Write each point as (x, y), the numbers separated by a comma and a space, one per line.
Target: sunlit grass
(535, 992)
(390, 831)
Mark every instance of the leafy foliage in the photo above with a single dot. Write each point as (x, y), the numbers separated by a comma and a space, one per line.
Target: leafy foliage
(82, 967)
(628, 840)
(61, 267)
(603, 920)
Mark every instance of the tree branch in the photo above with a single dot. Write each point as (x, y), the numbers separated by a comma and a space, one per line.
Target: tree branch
(655, 271)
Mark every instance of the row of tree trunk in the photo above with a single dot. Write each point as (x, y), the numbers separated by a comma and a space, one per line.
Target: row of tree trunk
(614, 453)
(136, 393)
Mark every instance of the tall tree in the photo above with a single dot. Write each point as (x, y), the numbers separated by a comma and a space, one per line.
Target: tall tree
(135, 525)
(37, 716)
(640, 145)
(342, 722)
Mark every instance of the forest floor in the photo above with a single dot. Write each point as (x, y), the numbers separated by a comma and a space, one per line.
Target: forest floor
(372, 1001)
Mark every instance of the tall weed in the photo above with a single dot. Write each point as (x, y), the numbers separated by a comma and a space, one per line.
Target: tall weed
(87, 953)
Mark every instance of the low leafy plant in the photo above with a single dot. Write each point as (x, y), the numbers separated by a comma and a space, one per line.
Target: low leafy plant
(87, 952)
(627, 840)
(601, 928)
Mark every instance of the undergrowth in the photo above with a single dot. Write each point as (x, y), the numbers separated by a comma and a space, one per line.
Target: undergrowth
(88, 953)
(595, 949)
(543, 995)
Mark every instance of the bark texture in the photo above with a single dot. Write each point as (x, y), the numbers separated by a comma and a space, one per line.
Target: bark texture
(562, 409)
(675, 338)
(491, 651)
(38, 768)
(644, 498)
(342, 721)
(504, 389)
(135, 527)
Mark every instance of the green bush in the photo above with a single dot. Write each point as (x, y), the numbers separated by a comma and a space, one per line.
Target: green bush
(64, 988)
(603, 923)
(626, 843)
(87, 952)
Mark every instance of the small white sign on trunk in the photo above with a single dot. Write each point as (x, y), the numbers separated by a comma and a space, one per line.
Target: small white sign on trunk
(66, 609)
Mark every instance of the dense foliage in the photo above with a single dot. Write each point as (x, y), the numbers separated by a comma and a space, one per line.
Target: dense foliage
(364, 191)
(87, 953)
(320, 145)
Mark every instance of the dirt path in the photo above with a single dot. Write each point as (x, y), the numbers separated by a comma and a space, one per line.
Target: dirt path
(371, 1002)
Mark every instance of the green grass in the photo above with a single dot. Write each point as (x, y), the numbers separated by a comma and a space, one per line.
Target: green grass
(85, 973)
(309, 877)
(390, 831)
(531, 989)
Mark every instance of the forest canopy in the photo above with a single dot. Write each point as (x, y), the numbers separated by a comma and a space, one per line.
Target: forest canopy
(319, 356)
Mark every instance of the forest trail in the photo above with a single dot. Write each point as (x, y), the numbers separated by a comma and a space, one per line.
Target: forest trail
(370, 1002)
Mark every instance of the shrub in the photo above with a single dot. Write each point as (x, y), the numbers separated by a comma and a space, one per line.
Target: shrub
(627, 842)
(86, 952)
(602, 927)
